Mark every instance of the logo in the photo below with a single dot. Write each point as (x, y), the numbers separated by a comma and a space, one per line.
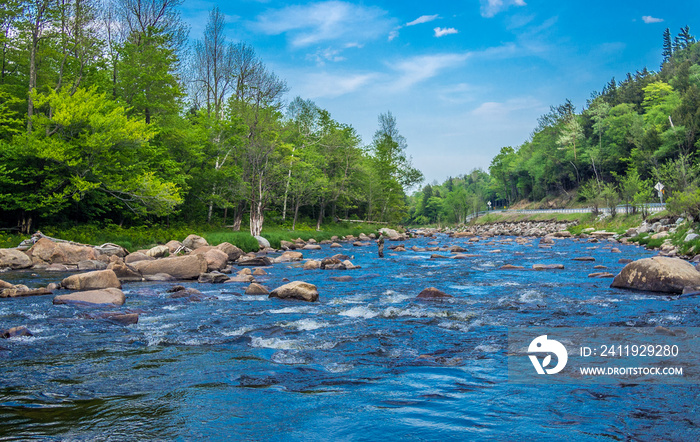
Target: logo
(543, 345)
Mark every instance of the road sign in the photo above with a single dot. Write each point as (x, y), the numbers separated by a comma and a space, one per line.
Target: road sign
(659, 187)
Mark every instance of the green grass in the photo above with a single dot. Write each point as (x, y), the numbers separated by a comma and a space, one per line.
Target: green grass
(144, 237)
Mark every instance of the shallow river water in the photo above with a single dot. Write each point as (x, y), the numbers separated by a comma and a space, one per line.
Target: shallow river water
(368, 361)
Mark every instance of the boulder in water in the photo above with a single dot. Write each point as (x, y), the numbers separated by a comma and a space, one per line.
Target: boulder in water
(98, 279)
(658, 274)
(300, 290)
(95, 297)
(431, 293)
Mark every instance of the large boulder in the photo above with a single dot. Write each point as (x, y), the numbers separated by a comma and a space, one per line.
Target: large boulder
(104, 296)
(658, 274)
(229, 249)
(193, 242)
(216, 259)
(296, 290)
(179, 267)
(98, 279)
(137, 256)
(50, 252)
(125, 272)
(14, 259)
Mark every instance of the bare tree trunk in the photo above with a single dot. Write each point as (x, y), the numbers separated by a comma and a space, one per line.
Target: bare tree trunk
(238, 217)
(296, 213)
(321, 210)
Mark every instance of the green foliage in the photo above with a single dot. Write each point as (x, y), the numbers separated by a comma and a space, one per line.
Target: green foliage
(685, 203)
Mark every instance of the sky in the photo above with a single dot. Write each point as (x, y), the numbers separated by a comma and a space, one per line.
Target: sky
(462, 77)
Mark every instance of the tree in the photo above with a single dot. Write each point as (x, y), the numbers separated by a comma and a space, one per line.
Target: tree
(88, 145)
(393, 167)
(667, 46)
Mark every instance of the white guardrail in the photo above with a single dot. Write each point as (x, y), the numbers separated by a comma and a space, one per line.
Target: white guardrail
(622, 208)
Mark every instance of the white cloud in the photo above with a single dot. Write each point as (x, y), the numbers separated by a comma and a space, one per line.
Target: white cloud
(497, 111)
(393, 34)
(489, 8)
(422, 19)
(326, 85)
(440, 32)
(649, 19)
(315, 23)
(417, 69)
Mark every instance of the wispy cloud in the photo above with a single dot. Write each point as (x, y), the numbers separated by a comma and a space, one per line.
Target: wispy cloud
(327, 85)
(649, 19)
(441, 32)
(422, 19)
(421, 68)
(489, 8)
(501, 111)
(320, 22)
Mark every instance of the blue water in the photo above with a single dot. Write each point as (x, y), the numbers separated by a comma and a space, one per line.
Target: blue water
(367, 362)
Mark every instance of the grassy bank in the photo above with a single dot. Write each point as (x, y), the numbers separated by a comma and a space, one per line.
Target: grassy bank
(135, 238)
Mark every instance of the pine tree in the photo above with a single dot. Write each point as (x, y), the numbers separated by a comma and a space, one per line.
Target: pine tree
(668, 46)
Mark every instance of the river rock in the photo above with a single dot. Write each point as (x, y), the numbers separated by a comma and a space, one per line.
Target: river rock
(601, 275)
(511, 267)
(691, 237)
(104, 296)
(658, 274)
(21, 291)
(287, 245)
(312, 247)
(312, 265)
(457, 249)
(193, 242)
(173, 246)
(345, 278)
(296, 290)
(289, 257)
(432, 293)
(216, 259)
(125, 272)
(584, 258)
(256, 289)
(5, 285)
(159, 277)
(137, 256)
(158, 251)
(92, 264)
(15, 332)
(259, 272)
(547, 266)
(254, 261)
(213, 278)
(14, 259)
(335, 245)
(179, 267)
(240, 278)
(230, 250)
(98, 279)
(50, 252)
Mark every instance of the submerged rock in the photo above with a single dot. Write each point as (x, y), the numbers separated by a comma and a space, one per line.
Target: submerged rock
(14, 332)
(433, 293)
(658, 274)
(547, 266)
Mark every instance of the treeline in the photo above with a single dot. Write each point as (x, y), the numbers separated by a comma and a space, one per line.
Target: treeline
(636, 132)
(108, 114)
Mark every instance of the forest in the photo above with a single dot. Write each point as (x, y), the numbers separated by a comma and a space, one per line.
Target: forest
(634, 133)
(112, 114)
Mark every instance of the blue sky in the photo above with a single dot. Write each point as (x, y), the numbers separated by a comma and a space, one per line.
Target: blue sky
(463, 78)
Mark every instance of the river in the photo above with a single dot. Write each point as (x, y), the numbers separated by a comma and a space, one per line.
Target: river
(368, 361)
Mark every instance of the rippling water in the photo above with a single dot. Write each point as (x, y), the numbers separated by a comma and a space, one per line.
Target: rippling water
(368, 361)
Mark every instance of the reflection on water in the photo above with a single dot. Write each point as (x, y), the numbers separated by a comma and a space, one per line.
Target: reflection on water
(368, 360)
